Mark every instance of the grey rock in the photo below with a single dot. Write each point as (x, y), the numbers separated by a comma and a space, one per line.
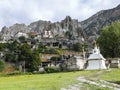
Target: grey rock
(58, 29)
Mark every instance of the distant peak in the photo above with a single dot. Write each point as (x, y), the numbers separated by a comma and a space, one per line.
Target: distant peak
(68, 18)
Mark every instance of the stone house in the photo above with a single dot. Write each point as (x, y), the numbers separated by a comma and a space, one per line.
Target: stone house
(67, 62)
(75, 63)
(113, 63)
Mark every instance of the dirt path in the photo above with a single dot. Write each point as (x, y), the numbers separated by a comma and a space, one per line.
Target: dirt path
(93, 81)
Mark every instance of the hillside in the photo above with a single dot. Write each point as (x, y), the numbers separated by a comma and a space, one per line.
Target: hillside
(67, 28)
(93, 25)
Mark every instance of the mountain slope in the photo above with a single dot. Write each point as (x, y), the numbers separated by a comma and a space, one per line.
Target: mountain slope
(67, 28)
(93, 25)
(59, 29)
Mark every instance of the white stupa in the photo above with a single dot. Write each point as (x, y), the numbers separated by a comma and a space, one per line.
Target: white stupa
(96, 60)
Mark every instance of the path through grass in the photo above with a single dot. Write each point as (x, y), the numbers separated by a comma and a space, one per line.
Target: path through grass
(97, 81)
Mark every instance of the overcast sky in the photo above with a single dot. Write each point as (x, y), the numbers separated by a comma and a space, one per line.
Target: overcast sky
(27, 11)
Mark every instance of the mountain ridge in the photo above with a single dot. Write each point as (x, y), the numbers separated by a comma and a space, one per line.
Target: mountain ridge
(58, 29)
(95, 23)
(89, 28)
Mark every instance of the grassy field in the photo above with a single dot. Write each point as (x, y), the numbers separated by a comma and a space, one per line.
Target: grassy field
(113, 75)
(52, 81)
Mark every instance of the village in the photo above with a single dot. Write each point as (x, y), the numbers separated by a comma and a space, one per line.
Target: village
(57, 55)
(59, 44)
(91, 59)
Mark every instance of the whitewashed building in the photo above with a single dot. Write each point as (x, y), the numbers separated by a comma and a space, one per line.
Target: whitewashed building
(115, 63)
(96, 60)
(80, 62)
(47, 34)
(75, 63)
(19, 34)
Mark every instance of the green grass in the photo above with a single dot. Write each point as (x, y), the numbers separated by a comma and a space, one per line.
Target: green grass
(113, 75)
(52, 81)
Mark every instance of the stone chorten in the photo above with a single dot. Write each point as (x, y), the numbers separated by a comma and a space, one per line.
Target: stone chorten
(96, 60)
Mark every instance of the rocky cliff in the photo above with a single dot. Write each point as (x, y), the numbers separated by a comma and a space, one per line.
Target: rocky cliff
(67, 27)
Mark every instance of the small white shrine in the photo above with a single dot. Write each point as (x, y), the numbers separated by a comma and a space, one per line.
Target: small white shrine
(47, 34)
(96, 60)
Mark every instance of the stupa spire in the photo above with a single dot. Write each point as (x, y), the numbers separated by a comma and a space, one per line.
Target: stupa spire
(96, 48)
(94, 44)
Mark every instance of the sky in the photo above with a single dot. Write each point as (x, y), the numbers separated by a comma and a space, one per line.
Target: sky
(28, 11)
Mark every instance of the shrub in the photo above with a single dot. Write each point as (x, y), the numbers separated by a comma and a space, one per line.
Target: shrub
(52, 51)
(51, 69)
(8, 68)
(19, 73)
(2, 65)
(55, 58)
(77, 47)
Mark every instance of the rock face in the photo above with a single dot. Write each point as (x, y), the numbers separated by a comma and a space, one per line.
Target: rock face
(93, 25)
(68, 28)
(8, 33)
(64, 28)
(57, 28)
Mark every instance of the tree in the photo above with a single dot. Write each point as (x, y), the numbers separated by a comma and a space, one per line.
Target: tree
(13, 46)
(41, 47)
(3, 46)
(25, 55)
(109, 41)
(31, 58)
(10, 57)
(22, 39)
(31, 35)
(35, 60)
(77, 47)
